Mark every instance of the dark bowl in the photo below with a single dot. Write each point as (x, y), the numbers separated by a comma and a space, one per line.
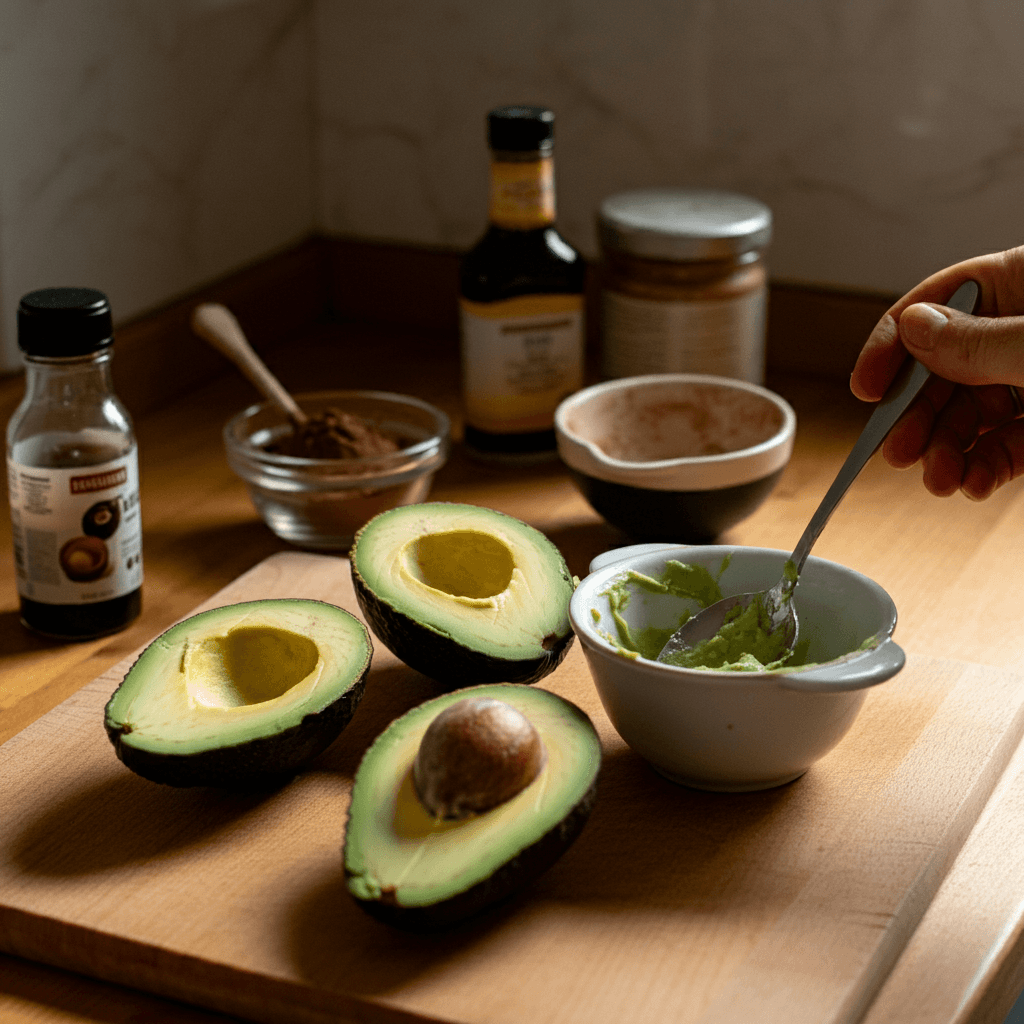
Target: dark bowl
(675, 457)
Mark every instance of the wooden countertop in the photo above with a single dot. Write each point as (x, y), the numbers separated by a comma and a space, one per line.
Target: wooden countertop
(952, 567)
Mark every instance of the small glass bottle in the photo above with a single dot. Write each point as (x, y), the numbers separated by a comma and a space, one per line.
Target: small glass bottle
(72, 469)
(521, 300)
(684, 285)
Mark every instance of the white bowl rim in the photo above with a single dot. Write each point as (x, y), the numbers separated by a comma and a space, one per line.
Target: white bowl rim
(714, 472)
(851, 671)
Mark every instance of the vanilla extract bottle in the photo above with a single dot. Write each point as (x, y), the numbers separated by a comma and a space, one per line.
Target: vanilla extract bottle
(521, 300)
(72, 471)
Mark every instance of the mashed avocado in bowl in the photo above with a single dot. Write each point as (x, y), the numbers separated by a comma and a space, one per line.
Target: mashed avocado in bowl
(743, 644)
(740, 714)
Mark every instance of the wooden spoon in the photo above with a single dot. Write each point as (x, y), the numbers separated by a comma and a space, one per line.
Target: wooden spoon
(217, 325)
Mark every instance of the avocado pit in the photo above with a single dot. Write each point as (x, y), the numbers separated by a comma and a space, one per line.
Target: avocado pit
(475, 755)
(408, 867)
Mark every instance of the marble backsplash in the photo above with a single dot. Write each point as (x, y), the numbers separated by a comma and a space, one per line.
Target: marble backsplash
(150, 147)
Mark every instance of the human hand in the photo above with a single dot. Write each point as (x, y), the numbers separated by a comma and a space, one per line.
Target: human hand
(966, 426)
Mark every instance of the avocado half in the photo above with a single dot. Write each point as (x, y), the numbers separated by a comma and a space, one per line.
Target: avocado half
(410, 869)
(240, 696)
(464, 594)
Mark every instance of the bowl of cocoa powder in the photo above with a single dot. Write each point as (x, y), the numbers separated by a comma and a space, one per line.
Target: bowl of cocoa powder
(357, 454)
(677, 457)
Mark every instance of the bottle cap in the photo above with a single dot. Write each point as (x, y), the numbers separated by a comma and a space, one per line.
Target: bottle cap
(684, 224)
(521, 129)
(59, 322)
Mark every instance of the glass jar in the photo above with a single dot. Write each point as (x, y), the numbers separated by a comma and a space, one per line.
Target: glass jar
(72, 470)
(684, 285)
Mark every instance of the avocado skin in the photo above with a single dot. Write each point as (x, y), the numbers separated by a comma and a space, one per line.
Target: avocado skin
(257, 764)
(514, 875)
(441, 657)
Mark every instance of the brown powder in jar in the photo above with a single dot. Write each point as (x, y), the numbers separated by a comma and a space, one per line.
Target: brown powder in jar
(334, 434)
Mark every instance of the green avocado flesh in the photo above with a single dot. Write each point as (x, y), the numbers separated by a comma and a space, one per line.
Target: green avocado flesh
(744, 643)
(240, 695)
(464, 594)
(414, 870)
(687, 582)
(746, 640)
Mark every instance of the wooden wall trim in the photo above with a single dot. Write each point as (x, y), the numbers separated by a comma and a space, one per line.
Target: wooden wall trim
(395, 286)
(157, 356)
(819, 332)
(814, 331)
(811, 331)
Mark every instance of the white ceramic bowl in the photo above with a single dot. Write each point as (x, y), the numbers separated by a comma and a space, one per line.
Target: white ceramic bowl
(675, 456)
(737, 731)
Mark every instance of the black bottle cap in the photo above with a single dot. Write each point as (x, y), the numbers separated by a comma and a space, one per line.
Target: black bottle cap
(521, 129)
(60, 322)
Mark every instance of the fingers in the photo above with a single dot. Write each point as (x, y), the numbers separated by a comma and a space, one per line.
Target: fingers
(909, 439)
(944, 465)
(996, 459)
(963, 427)
(958, 435)
(962, 348)
(1001, 276)
(879, 360)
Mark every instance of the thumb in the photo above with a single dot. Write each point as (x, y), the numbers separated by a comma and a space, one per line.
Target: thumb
(963, 348)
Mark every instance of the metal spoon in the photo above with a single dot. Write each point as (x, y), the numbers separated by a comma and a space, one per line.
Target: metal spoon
(777, 612)
(217, 324)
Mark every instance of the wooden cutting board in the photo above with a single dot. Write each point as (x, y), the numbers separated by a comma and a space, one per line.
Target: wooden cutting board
(673, 906)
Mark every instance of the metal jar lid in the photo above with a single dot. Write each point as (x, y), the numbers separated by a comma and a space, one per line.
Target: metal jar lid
(684, 224)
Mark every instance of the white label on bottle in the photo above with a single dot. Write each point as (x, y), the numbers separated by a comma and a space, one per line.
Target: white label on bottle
(77, 532)
(725, 337)
(520, 358)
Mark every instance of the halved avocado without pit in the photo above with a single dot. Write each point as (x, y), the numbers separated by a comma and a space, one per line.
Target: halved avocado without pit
(424, 868)
(464, 594)
(240, 696)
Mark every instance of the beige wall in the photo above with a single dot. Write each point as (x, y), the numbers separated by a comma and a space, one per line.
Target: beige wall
(147, 147)
(887, 135)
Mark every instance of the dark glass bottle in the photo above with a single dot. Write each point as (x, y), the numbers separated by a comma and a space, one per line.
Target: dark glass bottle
(521, 299)
(72, 468)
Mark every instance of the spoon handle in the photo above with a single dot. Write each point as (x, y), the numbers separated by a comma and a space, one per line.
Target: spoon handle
(217, 324)
(903, 390)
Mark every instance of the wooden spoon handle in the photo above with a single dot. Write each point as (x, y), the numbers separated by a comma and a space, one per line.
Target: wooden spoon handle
(217, 325)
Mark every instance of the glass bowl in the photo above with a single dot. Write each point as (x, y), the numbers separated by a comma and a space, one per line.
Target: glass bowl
(319, 504)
